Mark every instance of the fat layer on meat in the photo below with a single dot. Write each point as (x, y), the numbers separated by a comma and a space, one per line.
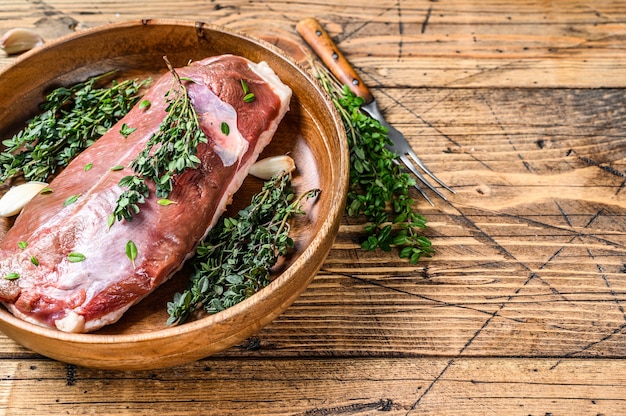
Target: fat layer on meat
(84, 296)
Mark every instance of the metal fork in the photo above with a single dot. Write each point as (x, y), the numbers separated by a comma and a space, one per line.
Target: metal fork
(319, 40)
(403, 149)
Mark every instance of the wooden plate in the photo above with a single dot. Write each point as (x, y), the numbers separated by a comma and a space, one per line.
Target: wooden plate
(311, 132)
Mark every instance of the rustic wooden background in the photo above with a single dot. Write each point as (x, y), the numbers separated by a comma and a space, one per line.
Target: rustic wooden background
(519, 105)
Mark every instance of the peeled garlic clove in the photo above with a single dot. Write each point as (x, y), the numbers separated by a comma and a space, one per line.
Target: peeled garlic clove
(18, 196)
(19, 40)
(271, 166)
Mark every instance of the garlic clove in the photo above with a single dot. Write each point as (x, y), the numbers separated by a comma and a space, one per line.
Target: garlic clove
(271, 166)
(18, 196)
(19, 40)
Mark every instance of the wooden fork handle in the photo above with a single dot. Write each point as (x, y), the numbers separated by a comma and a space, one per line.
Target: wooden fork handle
(318, 39)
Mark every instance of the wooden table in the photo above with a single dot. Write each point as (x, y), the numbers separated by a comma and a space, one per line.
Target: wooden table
(520, 106)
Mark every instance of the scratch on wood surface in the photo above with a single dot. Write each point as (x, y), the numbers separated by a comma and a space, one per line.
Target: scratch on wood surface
(608, 169)
(607, 283)
(435, 301)
(483, 326)
(400, 31)
(599, 13)
(605, 168)
(71, 374)
(572, 354)
(426, 19)
(506, 134)
(431, 385)
(579, 233)
(564, 214)
(421, 119)
(384, 405)
(451, 362)
(532, 275)
(54, 17)
(616, 330)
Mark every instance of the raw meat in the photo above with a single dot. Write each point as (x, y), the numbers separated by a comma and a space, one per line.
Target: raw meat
(86, 295)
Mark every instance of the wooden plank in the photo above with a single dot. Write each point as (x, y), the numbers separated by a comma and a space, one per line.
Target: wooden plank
(424, 386)
(440, 44)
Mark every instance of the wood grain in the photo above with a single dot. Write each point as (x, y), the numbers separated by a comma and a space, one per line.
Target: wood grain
(520, 107)
(371, 386)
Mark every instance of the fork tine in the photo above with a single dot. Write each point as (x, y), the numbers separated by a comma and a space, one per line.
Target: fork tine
(407, 162)
(401, 147)
(419, 163)
(420, 190)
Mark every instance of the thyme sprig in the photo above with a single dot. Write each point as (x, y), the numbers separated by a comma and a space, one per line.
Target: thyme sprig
(234, 260)
(72, 119)
(169, 151)
(379, 188)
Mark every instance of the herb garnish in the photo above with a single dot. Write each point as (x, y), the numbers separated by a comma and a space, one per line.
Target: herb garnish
(73, 119)
(244, 86)
(248, 96)
(70, 200)
(75, 257)
(12, 276)
(379, 188)
(234, 260)
(225, 128)
(175, 142)
(165, 202)
(131, 251)
(126, 130)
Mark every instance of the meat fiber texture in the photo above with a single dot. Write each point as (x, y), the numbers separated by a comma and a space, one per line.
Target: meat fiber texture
(84, 296)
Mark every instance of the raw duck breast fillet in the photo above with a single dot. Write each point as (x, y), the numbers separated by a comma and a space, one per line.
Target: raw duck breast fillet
(84, 296)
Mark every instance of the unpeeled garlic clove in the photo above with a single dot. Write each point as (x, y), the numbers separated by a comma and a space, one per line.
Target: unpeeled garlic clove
(271, 166)
(19, 40)
(18, 196)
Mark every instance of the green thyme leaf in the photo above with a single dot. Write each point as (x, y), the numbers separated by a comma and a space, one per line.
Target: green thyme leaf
(110, 220)
(12, 276)
(225, 128)
(70, 200)
(117, 167)
(165, 202)
(22, 245)
(126, 130)
(75, 257)
(131, 251)
(34, 260)
(244, 87)
(248, 97)
(88, 166)
(144, 104)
